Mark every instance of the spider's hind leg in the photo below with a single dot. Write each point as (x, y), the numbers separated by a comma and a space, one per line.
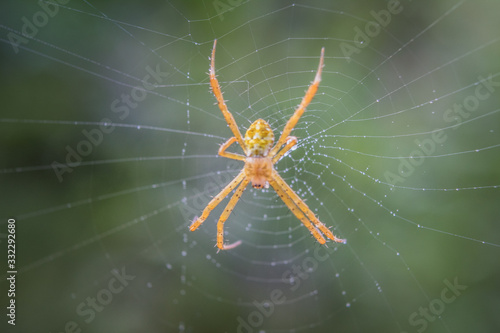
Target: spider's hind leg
(291, 195)
(297, 212)
(216, 200)
(229, 208)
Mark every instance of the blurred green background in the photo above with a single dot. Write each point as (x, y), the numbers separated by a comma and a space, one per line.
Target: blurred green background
(102, 243)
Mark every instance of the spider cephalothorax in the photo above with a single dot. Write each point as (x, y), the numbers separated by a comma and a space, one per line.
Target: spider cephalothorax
(260, 157)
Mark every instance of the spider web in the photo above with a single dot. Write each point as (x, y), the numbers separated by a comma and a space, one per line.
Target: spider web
(110, 137)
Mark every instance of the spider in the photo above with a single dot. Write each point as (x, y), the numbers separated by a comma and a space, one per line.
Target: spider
(260, 157)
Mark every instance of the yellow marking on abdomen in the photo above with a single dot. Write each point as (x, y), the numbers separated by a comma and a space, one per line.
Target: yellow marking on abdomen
(259, 138)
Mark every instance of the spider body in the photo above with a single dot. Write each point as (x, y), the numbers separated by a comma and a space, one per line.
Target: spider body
(258, 140)
(260, 157)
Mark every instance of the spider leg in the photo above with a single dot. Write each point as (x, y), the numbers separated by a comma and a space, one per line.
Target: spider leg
(214, 83)
(216, 200)
(297, 212)
(304, 208)
(225, 145)
(223, 217)
(301, 108)
(291, 141)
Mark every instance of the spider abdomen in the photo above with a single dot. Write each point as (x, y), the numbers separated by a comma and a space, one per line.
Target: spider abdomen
(259, 139)
(259, 170)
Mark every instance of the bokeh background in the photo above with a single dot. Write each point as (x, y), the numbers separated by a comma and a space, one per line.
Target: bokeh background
(102, 240)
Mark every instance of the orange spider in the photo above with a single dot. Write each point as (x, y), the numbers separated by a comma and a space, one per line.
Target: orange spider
(260, 156)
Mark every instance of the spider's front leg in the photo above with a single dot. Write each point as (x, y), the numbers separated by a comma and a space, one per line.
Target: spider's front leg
(311, 91)
(214, 83)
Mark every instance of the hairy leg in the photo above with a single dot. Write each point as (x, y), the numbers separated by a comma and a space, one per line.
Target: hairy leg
(229, 208)
(304, 208)
(214, 83)
(225, 145)
(297, 212)
(301, 108)
(216, 200)
(291, 141)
